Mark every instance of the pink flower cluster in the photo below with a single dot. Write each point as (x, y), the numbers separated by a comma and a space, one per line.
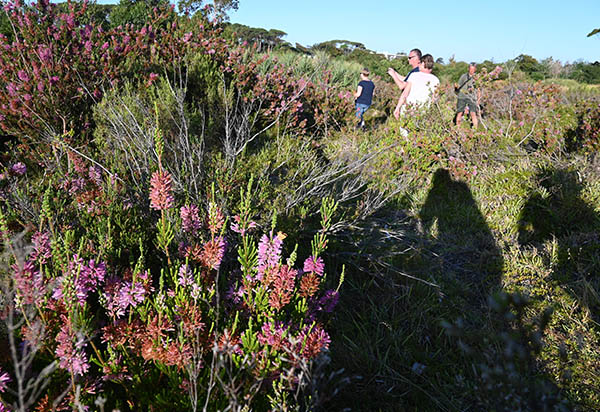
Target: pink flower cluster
(190, 219)
(312, 340)
(123, 293)
(28, 282)
(269, 253)
(160, 190)
(4, 378)
(241, 226)
(79, 280)
(70, 349)
(314, 265)
(41, 248)
(274, 335)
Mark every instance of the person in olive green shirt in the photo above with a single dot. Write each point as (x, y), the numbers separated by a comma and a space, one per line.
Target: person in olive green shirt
(468, 97)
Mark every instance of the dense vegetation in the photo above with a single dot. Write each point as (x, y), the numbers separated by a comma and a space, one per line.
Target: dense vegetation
(190, 221)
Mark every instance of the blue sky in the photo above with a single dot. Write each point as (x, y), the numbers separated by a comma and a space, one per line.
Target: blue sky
(469, 30)
(475, 30)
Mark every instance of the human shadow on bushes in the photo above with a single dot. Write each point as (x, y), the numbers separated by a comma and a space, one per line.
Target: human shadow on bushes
(498, 347)
(468, 253)
(555, 211)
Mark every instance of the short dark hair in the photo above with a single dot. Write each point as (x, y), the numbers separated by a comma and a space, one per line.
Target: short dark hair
(427, 61)
(417, 52)
(365, 71)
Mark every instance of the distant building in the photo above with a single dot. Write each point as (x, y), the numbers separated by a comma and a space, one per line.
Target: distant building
(393, 56)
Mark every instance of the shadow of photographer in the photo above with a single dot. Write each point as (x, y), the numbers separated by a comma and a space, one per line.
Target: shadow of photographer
(468, 252)
(555, 211)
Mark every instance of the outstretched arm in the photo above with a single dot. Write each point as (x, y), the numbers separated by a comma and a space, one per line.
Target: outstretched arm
(402, 99)
(397, 78)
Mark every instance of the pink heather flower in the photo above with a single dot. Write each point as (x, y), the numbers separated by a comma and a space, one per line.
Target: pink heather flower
(187, 37)
(190, 219)
(41, 247)
(70, 349)
(213, 252)
(80, 280)
(151, 79)
(18, 168)
(28, 281)
(45, 53)
(235, 295)
(185, 276)
(123, 293)
(328, 301)
(241, 227)
(282, 283)
(160, 191)
(95, 175)
(105, 45)
(12, 89)
(269, 253)
(315, 265)
(4, 378)
(312, 340)
(273, 335)
(23, 76)
(54, 80)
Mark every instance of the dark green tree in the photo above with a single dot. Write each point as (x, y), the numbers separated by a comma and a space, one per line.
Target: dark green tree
(133, 12)
(531, 67)
(218, 8)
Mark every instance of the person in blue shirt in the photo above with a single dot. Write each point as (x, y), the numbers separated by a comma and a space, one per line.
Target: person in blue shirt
(414, 59)
(364, 96)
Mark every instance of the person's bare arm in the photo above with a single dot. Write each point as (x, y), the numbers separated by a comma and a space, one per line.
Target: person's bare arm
(358, 92)
(397, 78)
(402, 99)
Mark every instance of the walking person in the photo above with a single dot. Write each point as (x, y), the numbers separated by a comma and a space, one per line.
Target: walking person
(468, 97)
(364, 96)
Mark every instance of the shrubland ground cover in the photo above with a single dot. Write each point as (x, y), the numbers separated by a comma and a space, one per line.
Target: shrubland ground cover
(190, 224)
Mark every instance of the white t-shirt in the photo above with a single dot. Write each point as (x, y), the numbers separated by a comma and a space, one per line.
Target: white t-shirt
(422, 88)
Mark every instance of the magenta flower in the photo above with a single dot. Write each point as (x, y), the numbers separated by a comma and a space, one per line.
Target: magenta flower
(123, 293)
(23, 76)
(4, 378)
(18, 169)
(79, 280)
(269, 253)
(213, 252)
(12, 89)
(190, 219)
(160, 191)
(273, 335)
(95, 175)
(312, 341)
(70, 349)
(28, 281)
(315, 265)
(185, 276)
(328, 302)
(241, 226)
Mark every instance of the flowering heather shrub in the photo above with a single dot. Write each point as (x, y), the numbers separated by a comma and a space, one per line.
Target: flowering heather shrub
(169, 317)
(586, 135)
(57, 67)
